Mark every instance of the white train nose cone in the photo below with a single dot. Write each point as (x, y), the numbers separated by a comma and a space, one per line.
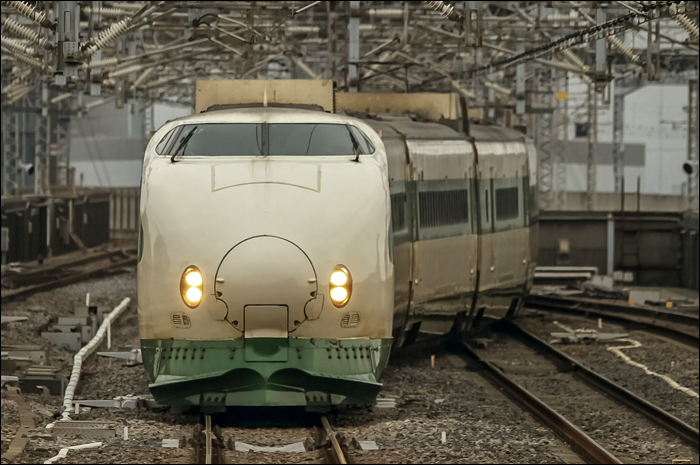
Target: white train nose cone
(265, 271)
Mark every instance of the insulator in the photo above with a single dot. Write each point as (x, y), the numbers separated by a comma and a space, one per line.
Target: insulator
(128, 5)
(107, 11)
(625, 50)
(24, 58)
(142, 78)
(304, 67)
(302, 29)
(127, 70)
(25, 32)
(446, 10)
(107, 62)
(687, 24)
(109, 35)
(17, 46)
(573, 58)
(29, 12)
(386, 12)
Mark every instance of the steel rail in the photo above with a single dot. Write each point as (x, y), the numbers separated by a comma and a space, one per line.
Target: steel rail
(70, 279)
(336, 454)
(573, 435)
(618, 308)
(61, 267)
(206, 442)
(652, 326)
(603, 384)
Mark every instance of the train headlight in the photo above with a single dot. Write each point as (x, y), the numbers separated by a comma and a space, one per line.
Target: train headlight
(340, 286)
(191, 288)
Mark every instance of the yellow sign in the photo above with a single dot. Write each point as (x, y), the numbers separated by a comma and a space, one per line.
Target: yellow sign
(562, 96)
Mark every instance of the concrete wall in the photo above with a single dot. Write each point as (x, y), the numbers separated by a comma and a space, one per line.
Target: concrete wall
(107, 144)
(649, 245)
(656, 133)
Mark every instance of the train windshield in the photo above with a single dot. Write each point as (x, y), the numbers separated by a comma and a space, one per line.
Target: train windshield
(288, 139)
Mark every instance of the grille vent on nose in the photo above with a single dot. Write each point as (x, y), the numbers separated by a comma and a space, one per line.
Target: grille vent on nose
(350, 320)
(180, 320)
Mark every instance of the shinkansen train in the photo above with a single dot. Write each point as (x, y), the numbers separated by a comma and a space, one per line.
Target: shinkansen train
(283, 250)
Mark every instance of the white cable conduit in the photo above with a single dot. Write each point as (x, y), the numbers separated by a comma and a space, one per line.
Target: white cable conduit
(84, 353)
(617, 350)
(63, 452)
(23, 31)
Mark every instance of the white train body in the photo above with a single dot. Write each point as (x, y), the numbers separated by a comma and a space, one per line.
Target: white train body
(267, 230)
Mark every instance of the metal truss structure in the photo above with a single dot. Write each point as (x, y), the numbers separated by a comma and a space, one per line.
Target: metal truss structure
(69, 57)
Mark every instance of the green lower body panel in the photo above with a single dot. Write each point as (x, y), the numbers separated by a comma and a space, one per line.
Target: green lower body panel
(315, 373)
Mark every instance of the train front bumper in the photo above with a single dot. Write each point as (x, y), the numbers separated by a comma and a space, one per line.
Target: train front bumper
(315, 373)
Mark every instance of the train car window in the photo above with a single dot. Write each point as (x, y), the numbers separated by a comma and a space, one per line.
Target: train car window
(312, 140)
(486, 204)
(507, 203)
(398, 211)
(443, 208)
(366, 145)
(219, 140)
(160, 148)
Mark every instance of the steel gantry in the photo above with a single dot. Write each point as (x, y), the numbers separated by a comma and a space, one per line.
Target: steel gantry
(490, 52)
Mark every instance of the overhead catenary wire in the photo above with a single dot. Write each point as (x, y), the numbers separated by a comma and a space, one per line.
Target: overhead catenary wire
(614, 26)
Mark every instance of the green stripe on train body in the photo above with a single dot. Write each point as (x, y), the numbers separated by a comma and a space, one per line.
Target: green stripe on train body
(265, 371)
(410, 230)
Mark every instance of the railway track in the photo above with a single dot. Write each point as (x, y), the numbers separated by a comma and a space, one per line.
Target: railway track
(604, 385)
(209, 445)
(583, 444)
(622, 309)
(664, 325)
(25, 284)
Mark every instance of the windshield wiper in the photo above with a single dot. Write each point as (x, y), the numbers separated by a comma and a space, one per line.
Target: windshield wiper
(355, 146)
(183, 144)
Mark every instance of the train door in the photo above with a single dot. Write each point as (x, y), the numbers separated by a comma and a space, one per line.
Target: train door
(399, 168)
(487, 250)
(444, 252)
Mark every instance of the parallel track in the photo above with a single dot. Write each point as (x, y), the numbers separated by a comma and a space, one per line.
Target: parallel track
(579, 440)
(71, 276)
(621, 309)
(645, 323)
(604, 385)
